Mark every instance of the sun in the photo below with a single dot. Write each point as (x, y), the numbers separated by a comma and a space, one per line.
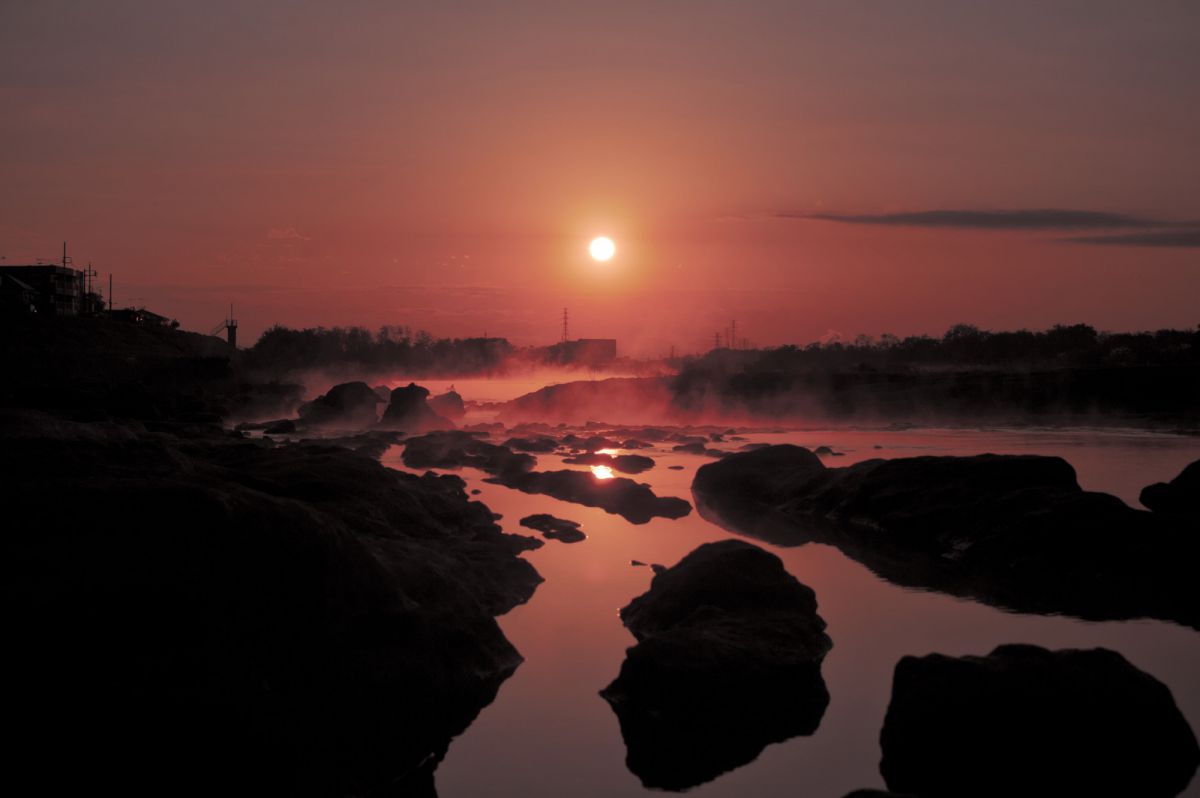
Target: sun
(602, 248)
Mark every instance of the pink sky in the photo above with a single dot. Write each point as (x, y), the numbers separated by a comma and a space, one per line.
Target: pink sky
(445, 166)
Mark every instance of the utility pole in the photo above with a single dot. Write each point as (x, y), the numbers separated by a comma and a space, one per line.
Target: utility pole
(565, 328)
(110, 304)
(733, 333)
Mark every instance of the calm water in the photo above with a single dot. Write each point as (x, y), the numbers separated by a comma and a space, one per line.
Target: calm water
(549, 733)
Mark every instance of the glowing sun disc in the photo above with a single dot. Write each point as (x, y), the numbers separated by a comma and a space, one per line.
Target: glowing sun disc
(602, 248)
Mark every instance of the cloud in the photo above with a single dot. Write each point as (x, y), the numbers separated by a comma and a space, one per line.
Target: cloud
(1011, 219)
(1157, 238)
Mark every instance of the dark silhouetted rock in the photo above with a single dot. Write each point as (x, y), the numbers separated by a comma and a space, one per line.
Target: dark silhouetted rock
(456, 449)
(634, 443)
(822, 451)
(1015, 531)
(752, 447)
(633, 501)
(675, 467)
(373, 444)
(1027, 721)
(554, 528)
(409, 411)
(207, 611)
(284, 426)
(1180, 496)
(625, 463)
(350, 405)
(448, 405)
(728, 660)
(537, 445)
(689, 448)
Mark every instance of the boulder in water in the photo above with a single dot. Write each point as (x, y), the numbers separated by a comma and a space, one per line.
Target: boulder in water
(728, 660)
(409, 411)
(1027, 721)
(350, 405)
(1180, 496)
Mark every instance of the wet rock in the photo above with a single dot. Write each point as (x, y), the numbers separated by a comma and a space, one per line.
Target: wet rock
(554, 528)
(752, 447)
(410, 412)
(537, 445)
(675, 468)
(242, 614)
(1014, 531)
(637, 563)
(1027, 721)
(633, 501)
(689, 448)
(822, 451)
(625, 463)
(372, 444)
(456, 449)
(634, 443)
(1180, 496)
(448, 405)
(350, 405)
(728, 660)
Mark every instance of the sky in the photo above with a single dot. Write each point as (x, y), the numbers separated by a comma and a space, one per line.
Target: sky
(808, 169)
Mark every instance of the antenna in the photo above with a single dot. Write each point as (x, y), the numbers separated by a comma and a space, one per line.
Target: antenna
(231, 326)
(565, 327)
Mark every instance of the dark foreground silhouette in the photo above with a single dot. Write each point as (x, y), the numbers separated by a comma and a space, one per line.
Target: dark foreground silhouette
(728, 660)
(1027, 721)
(189, 612)
(1014, 531)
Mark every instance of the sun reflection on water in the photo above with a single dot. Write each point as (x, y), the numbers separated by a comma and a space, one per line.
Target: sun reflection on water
(602, 472)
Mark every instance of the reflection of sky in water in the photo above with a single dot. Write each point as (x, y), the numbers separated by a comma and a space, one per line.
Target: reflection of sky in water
(602, 472)
(549, 733)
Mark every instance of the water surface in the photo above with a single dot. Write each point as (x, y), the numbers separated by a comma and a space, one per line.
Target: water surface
(549, 733)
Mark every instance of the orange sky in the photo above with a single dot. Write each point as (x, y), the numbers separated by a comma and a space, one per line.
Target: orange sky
(444, 165)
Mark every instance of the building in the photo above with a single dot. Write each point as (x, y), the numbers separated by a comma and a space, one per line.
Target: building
(16, 295)
(58, 290)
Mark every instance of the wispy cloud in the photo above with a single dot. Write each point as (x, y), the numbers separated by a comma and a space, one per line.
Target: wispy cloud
(1008, 219)
(1158, 238)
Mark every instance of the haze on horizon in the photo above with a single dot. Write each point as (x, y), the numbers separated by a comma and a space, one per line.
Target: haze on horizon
(801, 167)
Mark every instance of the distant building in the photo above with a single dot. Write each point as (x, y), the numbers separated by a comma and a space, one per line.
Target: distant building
(57, 290)
(16, 295)
(586, 351)
(140, 316)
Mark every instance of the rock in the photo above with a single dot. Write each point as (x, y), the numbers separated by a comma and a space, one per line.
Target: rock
(350, 405)
(625, 463)
(689, 448)
(637, 563)
(728, 660)
(752, 447)
(1027, 721)
(1014, 531)
(456, 449)
(633, 501)
(634, 443)
(284, 426)
(538, 445)
(554, 528)
(822, 451)
(1180, 496)
(476, 491)
(410, 412)
(373, 444)
(675, 467)
(237, 613)
(448, 405)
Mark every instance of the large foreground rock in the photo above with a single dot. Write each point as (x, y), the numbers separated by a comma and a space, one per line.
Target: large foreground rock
(409, 410)
(728, 660)
(633, 501)
(193, 613)
(350, 405)
(1016, 531)
(1027, 721)
(1180, 496)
